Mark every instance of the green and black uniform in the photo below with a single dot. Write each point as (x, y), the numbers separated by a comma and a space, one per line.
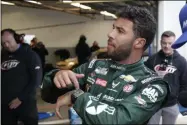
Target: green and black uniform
(115, 93)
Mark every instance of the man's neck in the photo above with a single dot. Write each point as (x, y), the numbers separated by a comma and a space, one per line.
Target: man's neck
(17, 47)
(133, 58)
(169, 54)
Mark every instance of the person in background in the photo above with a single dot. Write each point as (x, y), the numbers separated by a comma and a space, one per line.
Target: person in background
(82, 50)
(95, 46)
(121, 90)
(170, 65)
(20, 75)
(41, 50)
(179, 43)
(34, 41)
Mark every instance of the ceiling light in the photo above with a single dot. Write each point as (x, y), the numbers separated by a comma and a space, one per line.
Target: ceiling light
(67, 1)
(81, 6)
(31, 1)
(108, 14)
(7, 3)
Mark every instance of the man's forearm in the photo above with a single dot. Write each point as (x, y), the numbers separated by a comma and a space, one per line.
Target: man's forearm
(49, 92)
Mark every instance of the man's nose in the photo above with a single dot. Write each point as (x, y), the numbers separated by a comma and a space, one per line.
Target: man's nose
(112, 34)
(168, 45)
(6, 45)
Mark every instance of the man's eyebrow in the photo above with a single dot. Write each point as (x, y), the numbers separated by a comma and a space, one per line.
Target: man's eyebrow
(119, 27)
(163, 41)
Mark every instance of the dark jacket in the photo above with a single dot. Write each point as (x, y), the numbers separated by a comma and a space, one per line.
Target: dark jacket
(183, 98)
(83, 52)
(175, 68)
(94, 48)
(41, 51)
(20, 74)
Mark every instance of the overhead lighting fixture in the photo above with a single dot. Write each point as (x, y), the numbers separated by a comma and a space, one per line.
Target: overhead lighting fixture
(80, 6)
(7, 3)
(108, 14)
(35, 2)
(67, 1)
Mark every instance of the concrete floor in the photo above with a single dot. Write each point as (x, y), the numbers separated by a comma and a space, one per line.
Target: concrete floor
(47, 107)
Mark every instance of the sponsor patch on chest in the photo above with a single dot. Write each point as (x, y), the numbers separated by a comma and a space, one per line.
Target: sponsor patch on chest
(128, 78)
(128, 88)
(101, 71)
(101, 82)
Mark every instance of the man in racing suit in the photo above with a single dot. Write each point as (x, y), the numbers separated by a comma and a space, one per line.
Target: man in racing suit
(117, 91)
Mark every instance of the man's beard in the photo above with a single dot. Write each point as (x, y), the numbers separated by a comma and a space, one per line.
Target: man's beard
(121, 53)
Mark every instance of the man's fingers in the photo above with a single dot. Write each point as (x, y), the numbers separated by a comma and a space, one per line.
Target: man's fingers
(57, 111)
(58, 114)
(76, 85)
(15, 106)
(79, 75)
(66, 79)
(57, 83)
(73, 78)
(61, 80)
(12, 106)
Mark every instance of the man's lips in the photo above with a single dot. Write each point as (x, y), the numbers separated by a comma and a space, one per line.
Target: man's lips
(110, 44)
(166, 49)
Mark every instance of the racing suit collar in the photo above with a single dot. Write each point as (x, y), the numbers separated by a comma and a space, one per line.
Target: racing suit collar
(118, 66)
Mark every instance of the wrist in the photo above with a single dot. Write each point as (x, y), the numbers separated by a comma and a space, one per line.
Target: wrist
(76, 93)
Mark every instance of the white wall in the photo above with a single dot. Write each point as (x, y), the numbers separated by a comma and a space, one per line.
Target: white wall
(59, 36)
(169, 20)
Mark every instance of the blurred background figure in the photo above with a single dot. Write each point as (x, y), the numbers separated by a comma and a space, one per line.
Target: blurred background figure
(21, 74)
(82, 50)
(34, 41)
(40, 49)
(63, 54)
(168, 63)
(95, 46)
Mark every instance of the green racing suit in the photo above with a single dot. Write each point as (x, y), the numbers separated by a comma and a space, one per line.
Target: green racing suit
(114, 93)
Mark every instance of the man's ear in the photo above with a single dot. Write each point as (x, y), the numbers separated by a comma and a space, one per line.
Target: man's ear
(139, 43)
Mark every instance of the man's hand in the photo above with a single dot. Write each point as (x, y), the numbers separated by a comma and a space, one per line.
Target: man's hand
(14, 103)
(65, 78)
(64, 100)
(162, 73)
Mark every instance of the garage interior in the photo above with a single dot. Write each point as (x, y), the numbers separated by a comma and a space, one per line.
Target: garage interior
(87, 10)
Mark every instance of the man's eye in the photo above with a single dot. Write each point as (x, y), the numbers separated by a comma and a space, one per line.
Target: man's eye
(120, 31)
(164, 43)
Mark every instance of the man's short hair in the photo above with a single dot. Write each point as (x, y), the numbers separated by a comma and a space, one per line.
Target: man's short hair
(168, 34)
(144, 23)
(19, 38)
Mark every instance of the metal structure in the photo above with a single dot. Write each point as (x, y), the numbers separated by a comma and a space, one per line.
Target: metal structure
(111, 6)
(92, 11)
